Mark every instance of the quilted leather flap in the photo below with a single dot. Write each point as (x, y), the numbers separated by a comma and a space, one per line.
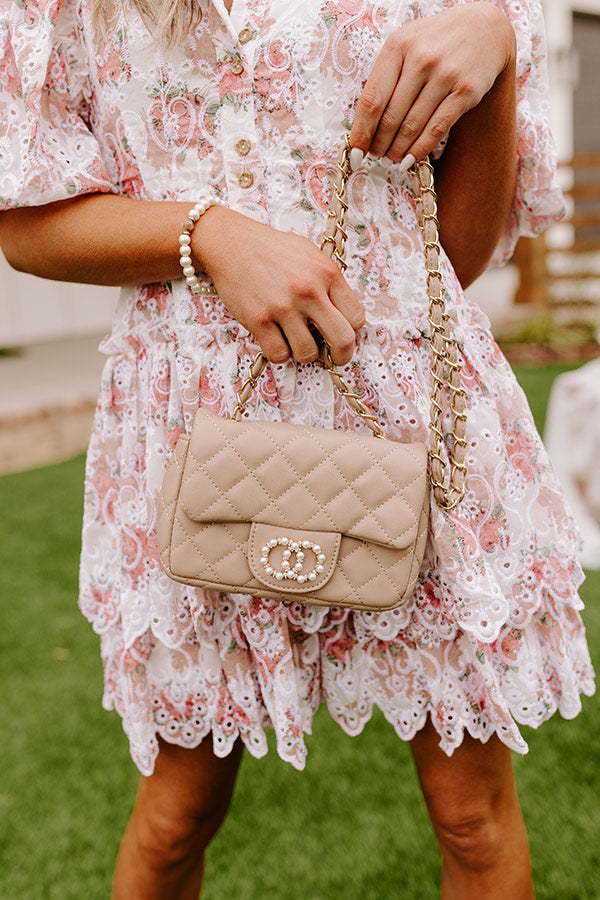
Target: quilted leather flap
(318, 479)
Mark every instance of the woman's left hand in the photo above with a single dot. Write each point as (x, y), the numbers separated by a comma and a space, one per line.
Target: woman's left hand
(427, 75)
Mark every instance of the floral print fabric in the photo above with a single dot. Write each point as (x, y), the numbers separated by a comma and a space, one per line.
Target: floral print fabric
(492, 636)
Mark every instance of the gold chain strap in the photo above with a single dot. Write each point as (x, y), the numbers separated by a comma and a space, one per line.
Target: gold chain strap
(445, 368)
(445, 365)
(257, 367)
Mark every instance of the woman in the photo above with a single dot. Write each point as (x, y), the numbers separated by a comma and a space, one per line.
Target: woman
(110, 132)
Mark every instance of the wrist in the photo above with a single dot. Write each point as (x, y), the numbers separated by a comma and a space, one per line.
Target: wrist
(211, 237)
(185, 239)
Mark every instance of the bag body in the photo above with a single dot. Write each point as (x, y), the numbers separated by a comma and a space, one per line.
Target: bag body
(295, 513)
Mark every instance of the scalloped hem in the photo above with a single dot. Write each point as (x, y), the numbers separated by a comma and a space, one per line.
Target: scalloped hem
(144, 754)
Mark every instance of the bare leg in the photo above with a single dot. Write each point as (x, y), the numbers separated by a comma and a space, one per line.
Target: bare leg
(178, 809)
(472, 803)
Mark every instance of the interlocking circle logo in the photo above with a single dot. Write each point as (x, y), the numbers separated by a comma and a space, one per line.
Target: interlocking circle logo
(292, 559)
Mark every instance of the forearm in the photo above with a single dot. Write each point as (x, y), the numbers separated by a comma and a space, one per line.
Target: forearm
(475, 178)
(98, 239)
(288, 283)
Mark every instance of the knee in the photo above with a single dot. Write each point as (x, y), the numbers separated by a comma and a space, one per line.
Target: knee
(473, 837)
(171, 837)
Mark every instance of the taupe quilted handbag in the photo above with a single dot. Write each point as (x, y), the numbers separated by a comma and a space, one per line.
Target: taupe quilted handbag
(311, 514)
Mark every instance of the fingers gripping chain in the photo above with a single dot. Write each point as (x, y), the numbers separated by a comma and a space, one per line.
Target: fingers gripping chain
(333, 245)
(446, 365)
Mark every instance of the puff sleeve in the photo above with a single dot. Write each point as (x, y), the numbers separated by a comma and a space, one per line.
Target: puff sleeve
(538, 200)
(47, 149)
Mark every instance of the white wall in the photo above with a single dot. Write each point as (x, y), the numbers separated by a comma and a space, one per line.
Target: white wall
(33, 310)
(564, 66)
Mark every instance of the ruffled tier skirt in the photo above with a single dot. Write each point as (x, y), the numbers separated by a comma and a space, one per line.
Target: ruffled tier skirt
(491, 638)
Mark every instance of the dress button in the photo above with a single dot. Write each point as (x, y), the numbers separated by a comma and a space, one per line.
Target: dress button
(237, 66)
(246, 179)
(244, 36)
(243, 147)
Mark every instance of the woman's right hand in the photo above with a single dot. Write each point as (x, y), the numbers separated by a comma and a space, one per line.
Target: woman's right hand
(277, 284)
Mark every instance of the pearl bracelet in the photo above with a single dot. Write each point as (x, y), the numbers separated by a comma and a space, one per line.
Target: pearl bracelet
(185, 241)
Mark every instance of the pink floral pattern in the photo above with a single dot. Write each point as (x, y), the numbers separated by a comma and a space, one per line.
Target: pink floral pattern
(492, 636)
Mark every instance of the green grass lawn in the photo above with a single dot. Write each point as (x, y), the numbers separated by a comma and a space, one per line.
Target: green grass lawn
(351, 826)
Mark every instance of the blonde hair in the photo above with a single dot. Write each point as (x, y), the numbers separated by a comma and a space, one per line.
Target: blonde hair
(168, 21)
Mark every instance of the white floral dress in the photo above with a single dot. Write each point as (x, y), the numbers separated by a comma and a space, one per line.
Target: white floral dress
(254, 106)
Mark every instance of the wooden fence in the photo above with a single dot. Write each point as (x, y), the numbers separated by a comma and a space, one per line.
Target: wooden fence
(561, 269)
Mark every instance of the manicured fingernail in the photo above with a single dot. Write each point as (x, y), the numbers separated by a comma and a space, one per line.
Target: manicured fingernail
(405, 164)
(356, 158)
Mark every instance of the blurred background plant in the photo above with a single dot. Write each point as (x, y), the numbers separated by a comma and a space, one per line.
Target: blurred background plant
(541, 339)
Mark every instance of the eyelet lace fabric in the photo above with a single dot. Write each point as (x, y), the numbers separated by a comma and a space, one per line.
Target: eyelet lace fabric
(492, 636)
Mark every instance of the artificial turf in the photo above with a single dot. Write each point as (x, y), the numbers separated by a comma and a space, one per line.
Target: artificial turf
(351, 826)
